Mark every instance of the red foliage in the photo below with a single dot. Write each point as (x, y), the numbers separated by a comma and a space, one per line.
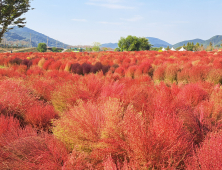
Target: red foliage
(47, 63)
(33, 152)
(208, 156)
(153, 144)
(159, 73)
(40, 115)
(120, 71)
(77, 160)
(130, 71)
(192, 95)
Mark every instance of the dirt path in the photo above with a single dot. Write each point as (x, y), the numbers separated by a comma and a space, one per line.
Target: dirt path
(16, 50)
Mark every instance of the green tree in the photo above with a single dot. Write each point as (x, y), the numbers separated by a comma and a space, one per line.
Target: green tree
(88, 49)
(190, 46)
(10, 14)
(133, 43)
(117, 49)
(42, 47)
(96, 46)
(168, 48)
(54, 49)
(156, 48)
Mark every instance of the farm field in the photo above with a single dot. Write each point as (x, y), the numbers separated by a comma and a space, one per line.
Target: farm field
(111, 110)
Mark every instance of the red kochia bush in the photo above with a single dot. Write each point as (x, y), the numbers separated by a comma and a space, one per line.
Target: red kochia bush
(14, 97)
(198, 73)
(47, 64)
(161, 144)
(86, 68)
(208, 156)
(130, 72)
(76, 68)
(25, 149)
(144, 68)
(159, 73)
(42, 87)
(35, 70)
(17, 101)
(10, 130)
(120, 71)
(55, 65)
(77, 160)
(192, 95)
(39, 115)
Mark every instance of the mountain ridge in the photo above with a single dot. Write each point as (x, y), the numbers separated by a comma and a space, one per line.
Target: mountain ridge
(216, 40)
(23, 34)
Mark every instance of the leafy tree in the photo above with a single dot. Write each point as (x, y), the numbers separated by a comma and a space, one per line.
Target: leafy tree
(167, 48)
(133, 43)
(54, 49)
(88, 49)
(10, 14)
(42, 47)
(156, 48)
(190, 46)
(116, 49)
(96, 46)
(210, 47)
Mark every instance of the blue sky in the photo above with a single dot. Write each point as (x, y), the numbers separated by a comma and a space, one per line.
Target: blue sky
(82, 22)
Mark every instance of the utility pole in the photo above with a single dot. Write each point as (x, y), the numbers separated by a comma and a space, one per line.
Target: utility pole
(30, 41)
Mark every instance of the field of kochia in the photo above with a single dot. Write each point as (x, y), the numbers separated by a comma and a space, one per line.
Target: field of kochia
(111, 110)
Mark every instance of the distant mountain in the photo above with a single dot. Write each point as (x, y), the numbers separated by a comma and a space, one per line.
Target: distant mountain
(185, 42)
(216, 40)
(23, 34)
(156, 42)
(110, 45)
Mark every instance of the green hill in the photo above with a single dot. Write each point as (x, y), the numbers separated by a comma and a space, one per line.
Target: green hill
(23, 34)
(216, 40)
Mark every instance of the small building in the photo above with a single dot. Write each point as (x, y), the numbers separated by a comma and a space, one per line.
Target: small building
(182, 49)
(172, 49)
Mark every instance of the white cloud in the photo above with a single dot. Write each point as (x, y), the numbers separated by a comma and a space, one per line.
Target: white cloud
(110, 23)
(80, 20)
(112, 4)
(106, 1)
(133, 19)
